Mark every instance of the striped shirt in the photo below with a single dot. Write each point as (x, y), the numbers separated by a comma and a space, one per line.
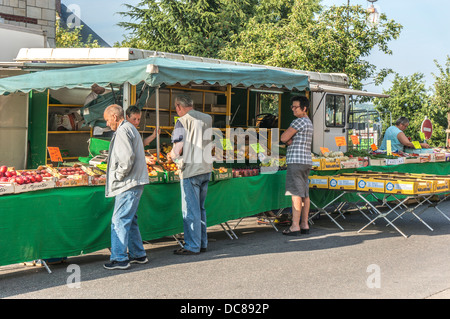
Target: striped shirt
(299, 152)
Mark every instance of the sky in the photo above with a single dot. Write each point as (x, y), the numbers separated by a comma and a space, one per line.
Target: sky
(425, 36)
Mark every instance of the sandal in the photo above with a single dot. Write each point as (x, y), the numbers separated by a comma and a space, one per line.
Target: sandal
(182, 251)
(289, 232)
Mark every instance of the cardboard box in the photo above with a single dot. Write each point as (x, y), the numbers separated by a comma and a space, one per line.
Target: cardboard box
(97, 180)
(317, 164)
(377, 161)
(72, 182)
(370, 183)
(159, 178)
(6, 188)
(318, 181)
(330, 164)
(47, 184)
(412, 160)
(439, 157)
(172, 176)
(342, 182)
(350, 164)
(408, 186)
(222, 174)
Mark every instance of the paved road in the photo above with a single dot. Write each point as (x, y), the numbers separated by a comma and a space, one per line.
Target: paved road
(262, 263)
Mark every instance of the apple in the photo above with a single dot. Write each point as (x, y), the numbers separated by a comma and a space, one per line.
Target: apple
(4, 179)
(38, 178)
(8, 174)
(3, 169)
(32, 178)
(19, 180)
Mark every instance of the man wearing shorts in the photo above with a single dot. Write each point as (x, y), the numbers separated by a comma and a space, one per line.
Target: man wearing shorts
(298, 138)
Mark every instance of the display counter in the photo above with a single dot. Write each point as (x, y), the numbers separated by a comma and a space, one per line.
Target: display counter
(71, 221)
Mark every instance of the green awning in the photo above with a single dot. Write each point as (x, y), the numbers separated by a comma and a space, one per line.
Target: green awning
(156, 72)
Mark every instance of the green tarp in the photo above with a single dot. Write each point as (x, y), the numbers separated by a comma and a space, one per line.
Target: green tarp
(166, 72)
(71, 221)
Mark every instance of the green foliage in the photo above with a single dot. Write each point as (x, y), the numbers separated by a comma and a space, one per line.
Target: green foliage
(72, 39)
(410, 98)
(296, 34)
(193, 27)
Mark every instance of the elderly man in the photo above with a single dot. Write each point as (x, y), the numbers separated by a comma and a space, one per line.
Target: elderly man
(191, 136)
(126, 176)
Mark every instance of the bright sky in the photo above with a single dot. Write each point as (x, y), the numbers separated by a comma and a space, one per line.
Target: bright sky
(424, 37)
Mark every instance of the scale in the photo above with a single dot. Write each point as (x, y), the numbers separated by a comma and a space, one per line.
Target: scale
(99, 159)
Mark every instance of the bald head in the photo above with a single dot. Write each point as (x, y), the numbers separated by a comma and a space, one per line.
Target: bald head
(113, 116)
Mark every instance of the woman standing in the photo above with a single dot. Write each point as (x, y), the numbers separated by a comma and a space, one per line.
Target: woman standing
(298, 138)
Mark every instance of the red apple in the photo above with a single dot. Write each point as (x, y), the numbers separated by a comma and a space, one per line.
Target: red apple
(19, 180)
(4, 179)
(38, 178)
(3, 168)
(32, 179)
(8, 174)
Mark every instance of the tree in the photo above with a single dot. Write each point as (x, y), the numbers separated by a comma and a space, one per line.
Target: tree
(193, 27)
(305, 37)
(72, 39)
(409, 97)
(441, 89)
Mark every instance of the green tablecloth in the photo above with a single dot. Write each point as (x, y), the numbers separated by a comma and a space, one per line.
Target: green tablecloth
(72, 221)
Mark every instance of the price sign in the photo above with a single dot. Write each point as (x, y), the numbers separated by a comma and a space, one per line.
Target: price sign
(226, 144)
(340, 141)
(422, 136)
(388, 147)
(355, 139)
(55, 154)
(324, 150)
(373, 147)
(417, 145)
(257, 148)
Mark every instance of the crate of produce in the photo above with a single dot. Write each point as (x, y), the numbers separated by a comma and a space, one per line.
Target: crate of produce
(222, 173)
(342, 182)
(370, 184)
(30, 187)
(172, 176)
(316, 181)
(317, 164)
(328, 164)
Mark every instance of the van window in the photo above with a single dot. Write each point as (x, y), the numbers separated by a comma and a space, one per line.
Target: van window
(335, 110)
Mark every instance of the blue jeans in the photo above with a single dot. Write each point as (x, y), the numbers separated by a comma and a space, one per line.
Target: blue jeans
(193, 196)
(124, 228)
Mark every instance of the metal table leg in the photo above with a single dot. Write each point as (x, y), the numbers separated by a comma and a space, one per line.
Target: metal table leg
(382, 215)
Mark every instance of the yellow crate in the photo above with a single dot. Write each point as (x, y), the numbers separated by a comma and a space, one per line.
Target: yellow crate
(369, 183)
(317, 164)
(342, 182)
(408, 186)
(330, 164)
(316, 181)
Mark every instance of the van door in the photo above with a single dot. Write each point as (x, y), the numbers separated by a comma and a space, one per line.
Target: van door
(334, 121)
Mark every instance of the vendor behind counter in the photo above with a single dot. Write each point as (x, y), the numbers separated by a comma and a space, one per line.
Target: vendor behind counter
(398, 139)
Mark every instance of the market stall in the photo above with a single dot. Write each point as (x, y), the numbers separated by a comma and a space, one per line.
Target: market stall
(64, 212)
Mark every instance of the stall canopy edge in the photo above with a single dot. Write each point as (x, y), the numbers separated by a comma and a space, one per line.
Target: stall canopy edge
(170, 72)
